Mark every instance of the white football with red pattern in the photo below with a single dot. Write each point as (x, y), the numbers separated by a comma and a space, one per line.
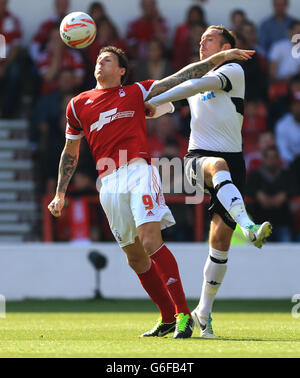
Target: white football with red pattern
(78, 30)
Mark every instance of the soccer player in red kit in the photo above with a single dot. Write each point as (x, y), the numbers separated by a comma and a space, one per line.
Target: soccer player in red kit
(112, 119)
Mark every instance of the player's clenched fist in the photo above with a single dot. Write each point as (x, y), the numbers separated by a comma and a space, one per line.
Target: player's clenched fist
(149, 109)
(55, 207)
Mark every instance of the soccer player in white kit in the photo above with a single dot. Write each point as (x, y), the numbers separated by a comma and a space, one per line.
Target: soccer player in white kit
(215, 151)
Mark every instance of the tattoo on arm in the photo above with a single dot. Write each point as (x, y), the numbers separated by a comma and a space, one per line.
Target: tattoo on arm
(192, 71)
(67, 166)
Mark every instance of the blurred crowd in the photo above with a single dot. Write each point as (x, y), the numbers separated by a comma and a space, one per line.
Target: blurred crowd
(37, 81)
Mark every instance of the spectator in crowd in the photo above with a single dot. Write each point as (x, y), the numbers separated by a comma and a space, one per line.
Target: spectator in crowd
(253, 159)
(97, 12)
(283, 64)
(287, 131)
(56, 57)
(271, 187)
(42, 35)
(295, 169)
(237, 18)
(192, 50)
(165, 129)
(48, 126)
(254, 124)
(10, 68)
(141, 31)
(255, 73)
(183, 35)
(281, 105)
(48, 108)
(249, 32)
(156, 66)
(276, 26)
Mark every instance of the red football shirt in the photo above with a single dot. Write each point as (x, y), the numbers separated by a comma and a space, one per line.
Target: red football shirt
(111, 120)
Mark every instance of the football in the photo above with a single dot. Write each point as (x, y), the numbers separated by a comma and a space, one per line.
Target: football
(78, 30)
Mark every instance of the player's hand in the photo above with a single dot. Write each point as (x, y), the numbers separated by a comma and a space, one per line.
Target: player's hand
(55, 207)
(238, 54)
(149, 109)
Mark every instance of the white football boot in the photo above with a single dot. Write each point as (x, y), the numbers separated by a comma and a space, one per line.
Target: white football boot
(204, 325)
(258, 233)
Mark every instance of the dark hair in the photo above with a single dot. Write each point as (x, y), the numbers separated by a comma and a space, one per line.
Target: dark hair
(227, 35)
(96, 5)
(123, 61)
(293, 24)
(237, 11)
(249, 23)
(200, 12)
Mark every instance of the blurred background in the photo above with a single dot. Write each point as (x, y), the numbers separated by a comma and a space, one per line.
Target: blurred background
(40, 75)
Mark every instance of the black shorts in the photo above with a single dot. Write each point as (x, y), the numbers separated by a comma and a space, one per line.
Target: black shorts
(237, 168)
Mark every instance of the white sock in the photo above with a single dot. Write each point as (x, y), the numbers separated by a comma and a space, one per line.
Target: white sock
(213, 275)
(231, 198)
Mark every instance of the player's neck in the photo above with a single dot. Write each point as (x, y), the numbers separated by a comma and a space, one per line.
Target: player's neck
(107, 84)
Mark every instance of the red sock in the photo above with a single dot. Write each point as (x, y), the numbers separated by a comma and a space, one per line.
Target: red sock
(153, 284)
(168, 269)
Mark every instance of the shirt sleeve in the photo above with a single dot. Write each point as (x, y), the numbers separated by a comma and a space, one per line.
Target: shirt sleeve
(146, 87)
(73, 127)
(230, 75)
(187, 89)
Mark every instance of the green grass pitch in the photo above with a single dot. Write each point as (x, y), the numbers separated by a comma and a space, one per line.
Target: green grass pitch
(110, 329)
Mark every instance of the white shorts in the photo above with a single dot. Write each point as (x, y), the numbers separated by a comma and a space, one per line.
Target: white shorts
(131, 196)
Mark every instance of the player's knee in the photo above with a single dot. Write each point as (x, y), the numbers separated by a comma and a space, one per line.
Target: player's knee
(151, 240)
(148, 244)
(219, 164)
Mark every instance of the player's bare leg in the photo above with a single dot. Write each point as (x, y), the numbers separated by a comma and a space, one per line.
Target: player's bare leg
(217, 175)
(213, 273)
(151, 239)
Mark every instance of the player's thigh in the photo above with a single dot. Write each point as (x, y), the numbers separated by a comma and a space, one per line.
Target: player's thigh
(220, 233)
(150, 212)
(118, 212)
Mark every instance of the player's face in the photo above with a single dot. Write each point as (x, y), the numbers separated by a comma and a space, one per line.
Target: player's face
(107, 68)
(211, 43)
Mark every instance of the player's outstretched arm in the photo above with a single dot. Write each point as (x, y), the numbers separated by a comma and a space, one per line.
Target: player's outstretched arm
(67, 165)
(198, 69)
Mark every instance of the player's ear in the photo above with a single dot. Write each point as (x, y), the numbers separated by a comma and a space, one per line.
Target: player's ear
(122, 71)
(226, 46)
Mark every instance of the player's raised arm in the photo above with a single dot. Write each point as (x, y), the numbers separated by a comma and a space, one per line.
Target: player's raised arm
(198, 69)
(67, 165)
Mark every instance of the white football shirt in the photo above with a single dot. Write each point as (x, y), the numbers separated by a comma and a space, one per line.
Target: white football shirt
(217, 115)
